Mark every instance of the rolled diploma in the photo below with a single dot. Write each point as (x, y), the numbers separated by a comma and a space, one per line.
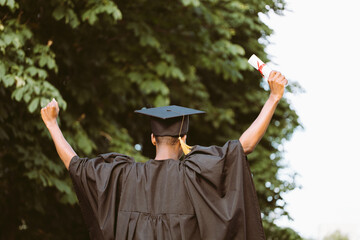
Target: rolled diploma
(260, 66)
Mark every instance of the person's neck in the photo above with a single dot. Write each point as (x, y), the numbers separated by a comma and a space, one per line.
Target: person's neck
(166, 152)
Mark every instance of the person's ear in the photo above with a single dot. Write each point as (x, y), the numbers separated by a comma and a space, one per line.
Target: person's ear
(153, 140)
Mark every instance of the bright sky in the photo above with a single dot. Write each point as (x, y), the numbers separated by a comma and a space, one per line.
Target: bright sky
(317, 43)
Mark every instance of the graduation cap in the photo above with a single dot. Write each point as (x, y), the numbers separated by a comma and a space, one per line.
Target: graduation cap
(170, 120)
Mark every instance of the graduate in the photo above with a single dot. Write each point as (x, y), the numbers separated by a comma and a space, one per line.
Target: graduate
(208, 195)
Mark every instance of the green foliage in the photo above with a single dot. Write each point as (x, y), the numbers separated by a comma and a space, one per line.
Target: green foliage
(102, 60)
(94, 8)
(274, 232)
(337, 235)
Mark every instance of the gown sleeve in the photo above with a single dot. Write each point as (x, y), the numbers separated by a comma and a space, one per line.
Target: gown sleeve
(97, 183)
(220, 186)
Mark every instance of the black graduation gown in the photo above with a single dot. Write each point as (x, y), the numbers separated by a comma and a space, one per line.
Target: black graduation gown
(208, 195)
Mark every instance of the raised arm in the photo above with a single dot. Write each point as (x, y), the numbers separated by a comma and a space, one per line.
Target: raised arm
(49, 115)
(252, 136)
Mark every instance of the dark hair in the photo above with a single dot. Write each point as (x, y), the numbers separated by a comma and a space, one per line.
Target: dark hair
(168, 140)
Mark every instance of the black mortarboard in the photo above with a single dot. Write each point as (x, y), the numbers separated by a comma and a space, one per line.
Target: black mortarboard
(169, 120)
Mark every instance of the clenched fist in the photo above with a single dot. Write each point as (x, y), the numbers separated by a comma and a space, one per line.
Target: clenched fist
(50, 113)
(277, 83)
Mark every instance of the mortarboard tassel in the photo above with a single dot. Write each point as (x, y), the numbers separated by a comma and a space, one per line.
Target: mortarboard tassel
(186, 148)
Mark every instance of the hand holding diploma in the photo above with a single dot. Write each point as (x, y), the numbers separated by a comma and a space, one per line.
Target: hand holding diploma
(251, 137)
(50, 113)
(277, 83)
(276, 80)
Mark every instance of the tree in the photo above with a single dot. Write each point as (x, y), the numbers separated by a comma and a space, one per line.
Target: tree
(102, 60)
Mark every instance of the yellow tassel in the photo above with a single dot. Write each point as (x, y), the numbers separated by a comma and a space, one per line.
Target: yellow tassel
(186, 148)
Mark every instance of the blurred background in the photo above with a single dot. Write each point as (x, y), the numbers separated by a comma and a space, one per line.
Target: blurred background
(317, 44)
(102, 60)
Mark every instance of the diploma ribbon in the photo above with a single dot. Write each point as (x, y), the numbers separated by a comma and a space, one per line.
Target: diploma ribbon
(260, 67)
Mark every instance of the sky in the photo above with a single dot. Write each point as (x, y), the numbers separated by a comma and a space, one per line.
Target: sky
(317, 44)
